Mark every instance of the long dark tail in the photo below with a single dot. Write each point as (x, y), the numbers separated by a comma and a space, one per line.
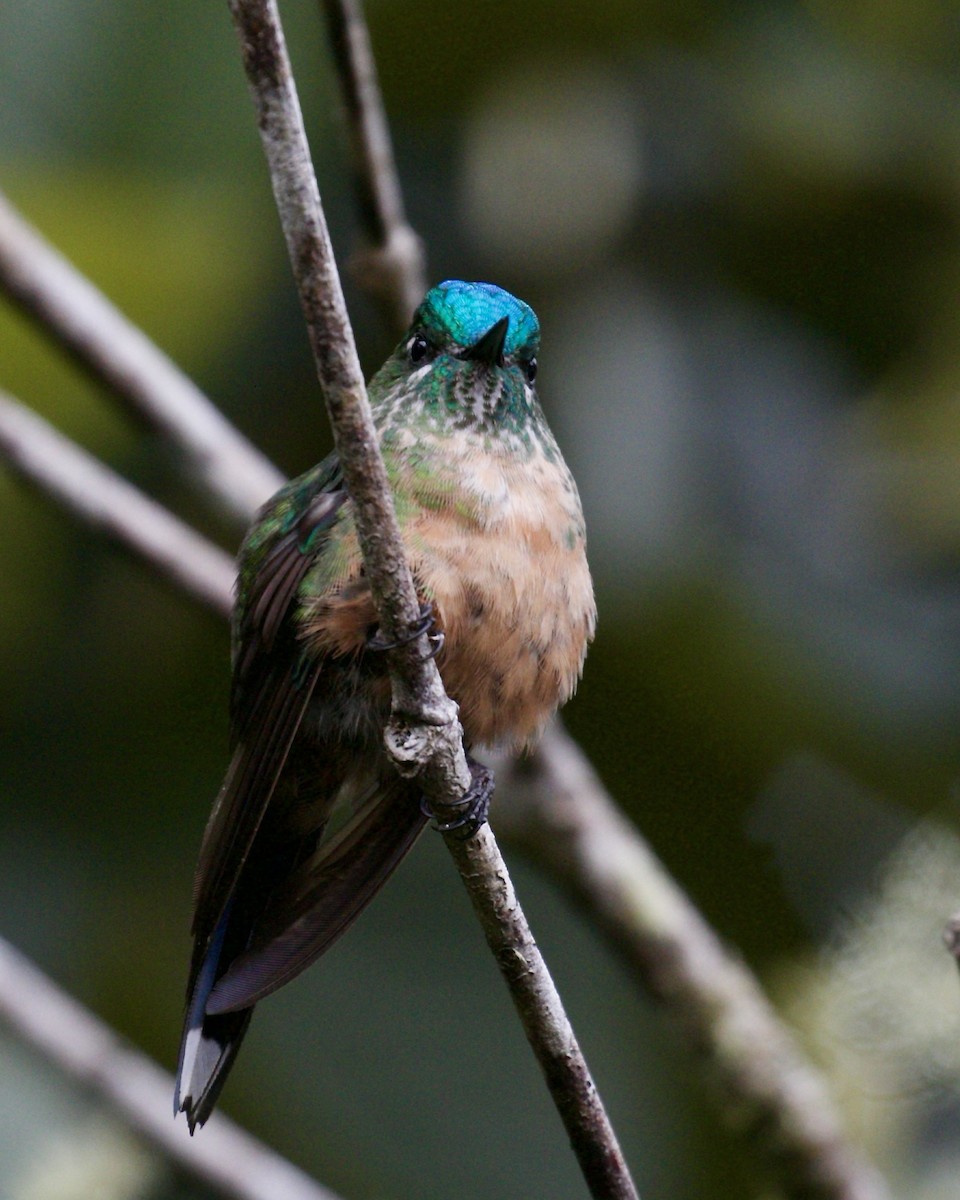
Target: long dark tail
(302, 918)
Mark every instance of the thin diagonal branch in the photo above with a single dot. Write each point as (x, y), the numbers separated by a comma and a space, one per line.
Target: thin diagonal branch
(86, 1050)
(391, 264)
(67, 306)
(95, 494)
(423, 747)
(565, 820)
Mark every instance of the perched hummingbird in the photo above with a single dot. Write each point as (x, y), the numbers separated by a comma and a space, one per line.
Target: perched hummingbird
(493, 531)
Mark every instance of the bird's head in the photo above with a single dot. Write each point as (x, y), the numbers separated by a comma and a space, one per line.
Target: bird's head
(469, 358)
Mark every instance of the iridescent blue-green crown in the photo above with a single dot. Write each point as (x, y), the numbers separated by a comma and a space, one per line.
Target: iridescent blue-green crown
(465, 311)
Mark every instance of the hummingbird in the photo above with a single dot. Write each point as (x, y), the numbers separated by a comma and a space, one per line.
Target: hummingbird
(312, 818)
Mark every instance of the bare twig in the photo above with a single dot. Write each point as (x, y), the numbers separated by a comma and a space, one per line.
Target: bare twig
(391, 265)
(425, 737)
(68, 306)
(86, 1050)
(564, 818)
(541, 1012)
(58, 467)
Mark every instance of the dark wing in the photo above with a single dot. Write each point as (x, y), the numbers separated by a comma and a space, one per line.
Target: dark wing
(323, 896)
(272, 684)
(310, 908)
(272, 687)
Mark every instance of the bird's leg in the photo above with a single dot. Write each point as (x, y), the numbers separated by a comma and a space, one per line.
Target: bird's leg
(427, 623)
(475, 803)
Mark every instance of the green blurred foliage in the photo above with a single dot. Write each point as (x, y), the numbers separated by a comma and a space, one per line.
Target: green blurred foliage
(739, 226)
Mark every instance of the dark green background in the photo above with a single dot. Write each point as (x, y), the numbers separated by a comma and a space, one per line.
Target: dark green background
(739, 226)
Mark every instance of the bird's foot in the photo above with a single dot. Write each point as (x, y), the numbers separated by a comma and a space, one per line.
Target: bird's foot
(475, 804)
(427, 623)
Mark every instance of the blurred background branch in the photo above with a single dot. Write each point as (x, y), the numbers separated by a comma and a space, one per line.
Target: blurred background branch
(391, 265)
(79, 318)
(88, 1052)
(558, 812)
(91, 492)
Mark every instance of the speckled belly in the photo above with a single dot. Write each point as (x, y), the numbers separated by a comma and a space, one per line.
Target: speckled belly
(517, 614)
(506, 570)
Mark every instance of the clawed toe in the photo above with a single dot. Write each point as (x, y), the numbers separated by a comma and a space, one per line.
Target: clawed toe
(427, 623)
(472, 809)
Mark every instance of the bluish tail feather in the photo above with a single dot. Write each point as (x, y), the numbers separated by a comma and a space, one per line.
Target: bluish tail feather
(209, 1043)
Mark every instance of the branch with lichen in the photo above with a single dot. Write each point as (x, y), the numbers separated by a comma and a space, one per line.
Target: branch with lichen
(424, 738)
(563, 818)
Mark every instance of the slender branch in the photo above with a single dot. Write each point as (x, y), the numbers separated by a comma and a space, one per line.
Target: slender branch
(563, 817)
(58, 467)
(67, 306)
(86, 1050)
(542, 1015)
(425, 737)
(391, 266)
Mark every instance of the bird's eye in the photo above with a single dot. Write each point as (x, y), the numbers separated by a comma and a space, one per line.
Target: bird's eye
(417, 348)
(530, 369)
